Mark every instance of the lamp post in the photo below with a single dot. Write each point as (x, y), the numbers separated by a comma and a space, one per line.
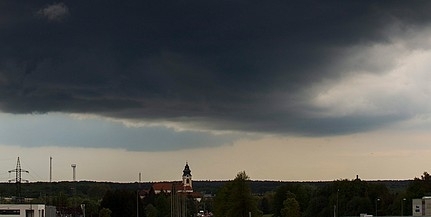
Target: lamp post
(402, 206)
(338, 190)
(377, 200)
(83, 209)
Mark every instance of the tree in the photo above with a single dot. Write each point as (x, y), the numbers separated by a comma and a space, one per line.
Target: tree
(162, 205)
(105, 212)
(91, 207)
(318, 207)
(151, 211)
(150, 197)
(301, 192)
(221, 201)
(426, 176)
(235, 199)
(290, 207)
(358, 205)
(120, 202)
(265, 202)
(191, 206)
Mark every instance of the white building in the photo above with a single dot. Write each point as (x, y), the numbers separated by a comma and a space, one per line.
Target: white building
(27, 210)
(421, 207)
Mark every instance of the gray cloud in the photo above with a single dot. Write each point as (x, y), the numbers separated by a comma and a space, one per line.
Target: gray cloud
(247, 66)
(54, 12)
(63, 131)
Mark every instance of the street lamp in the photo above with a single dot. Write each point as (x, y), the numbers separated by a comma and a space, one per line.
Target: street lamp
(338, 190)
(402, 206)
(377, 200)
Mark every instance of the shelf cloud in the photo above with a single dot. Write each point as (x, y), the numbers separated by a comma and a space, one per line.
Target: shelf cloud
(283, 67)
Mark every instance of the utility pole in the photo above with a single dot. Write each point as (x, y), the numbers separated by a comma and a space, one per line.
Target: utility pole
(50, 180)
(18, 180)
(50, 169)
(338, 214)
(137, 196)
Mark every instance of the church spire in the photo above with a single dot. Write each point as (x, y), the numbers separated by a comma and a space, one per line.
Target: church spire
(187, 171)
(187, 176)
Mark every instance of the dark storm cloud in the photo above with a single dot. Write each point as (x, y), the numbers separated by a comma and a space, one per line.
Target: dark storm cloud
(237, 65)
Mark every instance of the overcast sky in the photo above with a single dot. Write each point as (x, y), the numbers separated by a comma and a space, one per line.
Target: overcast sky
(285, 90)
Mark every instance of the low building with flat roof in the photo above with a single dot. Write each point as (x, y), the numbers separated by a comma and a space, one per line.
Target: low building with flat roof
(27, 210)
(421, 207)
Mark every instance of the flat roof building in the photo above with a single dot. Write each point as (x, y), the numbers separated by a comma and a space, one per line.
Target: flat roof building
(421, 207)
(27, 210)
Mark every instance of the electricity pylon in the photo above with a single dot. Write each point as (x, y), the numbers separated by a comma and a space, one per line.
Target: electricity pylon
(18, 180)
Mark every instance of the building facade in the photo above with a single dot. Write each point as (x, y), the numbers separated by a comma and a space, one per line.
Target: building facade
(421, 207)
(179, 193)
(186, 185)
(27, 210)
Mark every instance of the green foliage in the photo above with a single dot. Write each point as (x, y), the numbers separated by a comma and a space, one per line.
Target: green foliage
(162, 205)
(235, 199)
(347, 197)
(420, 187)
(221, 201)
(150, 197)
(358, 205)
(97, 191)
(105, 212)
(290, 207)
(315, 199)
(120, 202)
(61, 200)
(426, 176)
(303, 194)
(151, 211)
(191, 206)
(91, 207)
(318, 206)
(265, 202)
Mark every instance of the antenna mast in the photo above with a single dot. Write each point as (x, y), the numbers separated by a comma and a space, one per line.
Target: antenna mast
(18, 180)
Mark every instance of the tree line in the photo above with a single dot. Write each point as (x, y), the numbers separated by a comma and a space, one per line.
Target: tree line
(237, 197)
(343, 197)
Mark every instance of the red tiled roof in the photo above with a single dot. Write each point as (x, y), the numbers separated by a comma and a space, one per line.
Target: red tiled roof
(163, 186)
(167, 186)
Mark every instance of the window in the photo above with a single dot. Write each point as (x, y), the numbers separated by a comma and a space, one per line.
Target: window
(29, 213)
(9, 212)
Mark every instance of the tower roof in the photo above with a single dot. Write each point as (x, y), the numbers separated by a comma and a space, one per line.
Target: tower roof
(187, 171)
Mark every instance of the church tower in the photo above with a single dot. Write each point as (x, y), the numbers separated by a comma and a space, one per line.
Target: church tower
(187, 177)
